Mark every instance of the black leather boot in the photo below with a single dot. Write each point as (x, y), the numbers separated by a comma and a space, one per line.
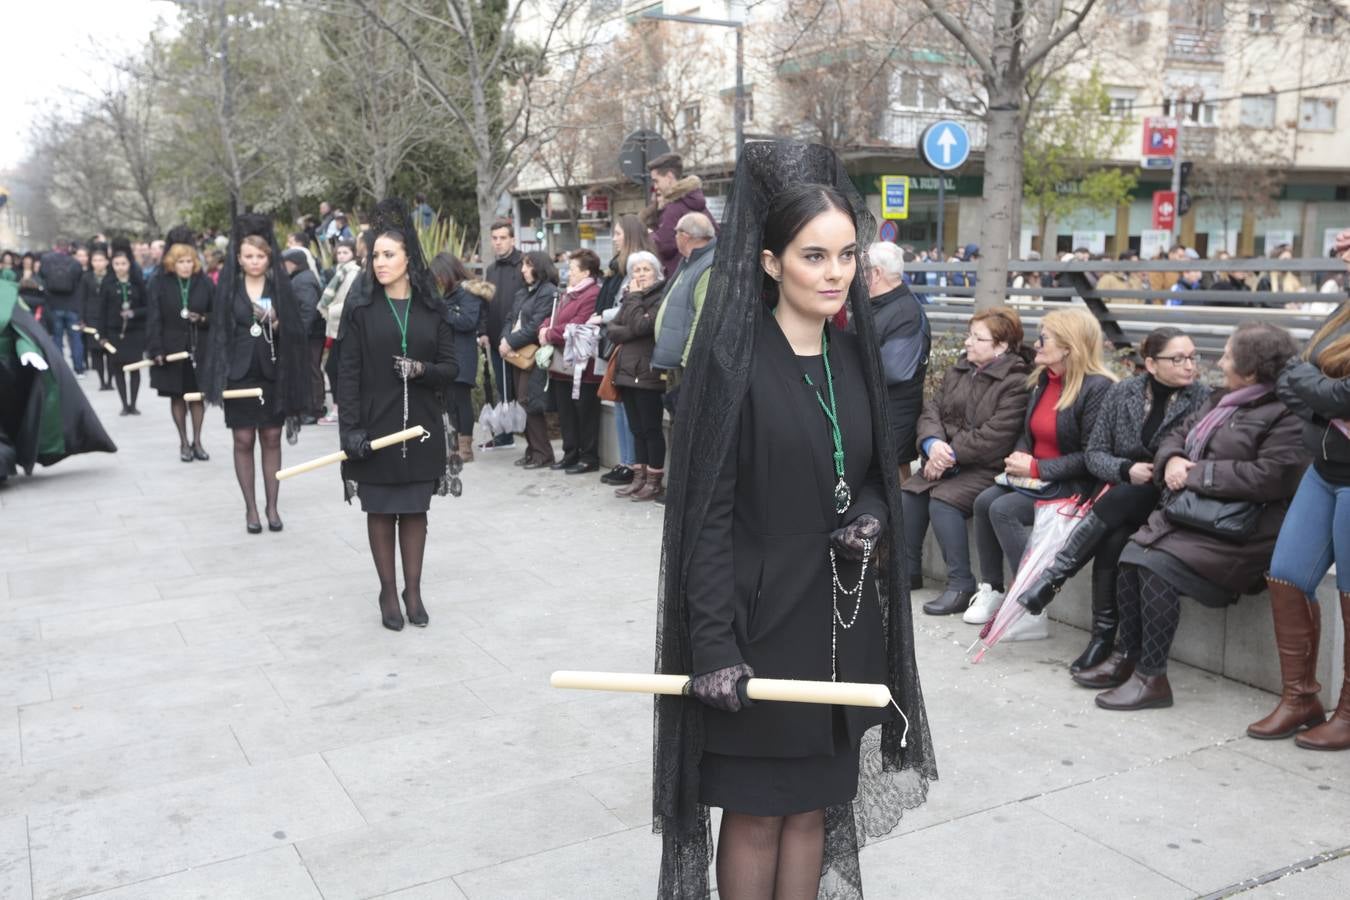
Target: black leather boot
(1077, 550)
(1105, 618)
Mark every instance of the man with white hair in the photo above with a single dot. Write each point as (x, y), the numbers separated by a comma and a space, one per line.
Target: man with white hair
(906, 340)
(678, 318)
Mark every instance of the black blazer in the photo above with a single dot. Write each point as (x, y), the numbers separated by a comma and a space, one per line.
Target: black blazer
(244, 349)
(111, 306)
(370, 393)
(1073, 427)
(166, 331)
(759, 576)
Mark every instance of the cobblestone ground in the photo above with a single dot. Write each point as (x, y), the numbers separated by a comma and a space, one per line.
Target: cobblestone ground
(187, 710)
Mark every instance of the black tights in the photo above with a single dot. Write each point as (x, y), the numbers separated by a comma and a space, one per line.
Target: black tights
(770, 857)
(412, 545)
(244, 439)
(179, 407)
(120, 379)
(1150, 611)
(98, 361)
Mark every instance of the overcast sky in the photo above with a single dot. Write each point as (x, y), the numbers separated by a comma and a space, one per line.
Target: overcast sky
(48, 54)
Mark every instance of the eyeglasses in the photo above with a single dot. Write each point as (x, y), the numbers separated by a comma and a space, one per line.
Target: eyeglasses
(1180, 361)
(1043, 339)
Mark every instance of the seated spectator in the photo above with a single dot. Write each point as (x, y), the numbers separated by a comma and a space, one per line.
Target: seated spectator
(633, 331)
(906, 339)
(1068, 386)
(966, 430)
(1135, 417)
(1244, 446)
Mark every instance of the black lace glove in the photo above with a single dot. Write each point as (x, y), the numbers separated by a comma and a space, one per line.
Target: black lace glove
(724, 688)
(408, 368)
(356, 444)
(848, 541)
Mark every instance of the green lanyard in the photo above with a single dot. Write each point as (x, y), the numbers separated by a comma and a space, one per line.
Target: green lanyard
(402, 323)
(184, 288)
(842, 496)
(123, 288)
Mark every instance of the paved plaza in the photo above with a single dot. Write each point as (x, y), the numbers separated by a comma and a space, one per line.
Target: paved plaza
(190, 711)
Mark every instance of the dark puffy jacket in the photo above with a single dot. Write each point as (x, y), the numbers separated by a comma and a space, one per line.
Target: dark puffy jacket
(1116, 442)
(506, 280)
(685, 197)
(633, 330)
(463, 309)
(307, 291)
(1318, 398)
(1073, 427)
(61, 276)
(906, 340)
(1257, 455)
(979, 412)
(532, 305)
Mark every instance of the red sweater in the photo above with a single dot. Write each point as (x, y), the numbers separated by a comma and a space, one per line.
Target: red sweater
(1044, 436)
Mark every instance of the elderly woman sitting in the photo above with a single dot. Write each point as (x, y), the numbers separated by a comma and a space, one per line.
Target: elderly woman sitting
(1243, 449)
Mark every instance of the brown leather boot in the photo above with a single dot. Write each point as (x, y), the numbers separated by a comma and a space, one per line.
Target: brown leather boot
(1140, 692)
(1335, 734)
(639, 480)
(1113, 671)
(651, 487)
(1298, 629)
(466, 448)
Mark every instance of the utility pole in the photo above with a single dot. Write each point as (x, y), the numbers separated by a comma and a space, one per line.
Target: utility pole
(738, 105)
(1176, 174)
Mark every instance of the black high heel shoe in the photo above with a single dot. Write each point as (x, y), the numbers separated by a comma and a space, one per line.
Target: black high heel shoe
(253, 527)
(275, 526)
(419, 619)
(391, 620)
(199, 453)
(185, 453)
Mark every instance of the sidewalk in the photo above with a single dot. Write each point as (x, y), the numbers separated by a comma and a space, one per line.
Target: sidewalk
(188, 710)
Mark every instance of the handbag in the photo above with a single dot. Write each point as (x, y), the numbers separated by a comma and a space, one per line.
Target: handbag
(1230, 520)
(607, 390)
(523, 358)
(543, 357)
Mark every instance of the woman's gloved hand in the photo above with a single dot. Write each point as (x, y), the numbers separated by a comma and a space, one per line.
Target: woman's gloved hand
(859, 535)
(408, 368)
(721, 688)
(356, 444)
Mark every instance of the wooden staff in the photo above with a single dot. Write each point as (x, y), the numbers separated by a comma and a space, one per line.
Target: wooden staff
(98, 339)
(147, 363)
(379, 443)
(234, 394)
(841, 693)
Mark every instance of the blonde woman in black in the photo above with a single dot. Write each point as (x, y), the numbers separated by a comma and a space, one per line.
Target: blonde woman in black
(178, 313)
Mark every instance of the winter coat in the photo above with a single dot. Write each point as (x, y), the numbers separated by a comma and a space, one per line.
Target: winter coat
(611, 291)
(1257, 455)
(462, 310)
(531, 307)
(61, 269)
(979, 412)
(574, 308)
(1317, 399)
(370, 392)
(506, 280)
(686, 196)
(634, 331)
(1116, 442)
(307, 291)
(680, 309)
(166, 331)
(91, 310)
(906, 340)
(335, 296)
(1073, 427)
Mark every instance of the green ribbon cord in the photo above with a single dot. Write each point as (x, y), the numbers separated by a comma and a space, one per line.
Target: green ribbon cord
(830, 409)
(403, 322)
(184, 288)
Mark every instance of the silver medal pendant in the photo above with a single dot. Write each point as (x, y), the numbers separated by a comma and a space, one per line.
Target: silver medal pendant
(843, 497)
(183, 313)
(255, 329)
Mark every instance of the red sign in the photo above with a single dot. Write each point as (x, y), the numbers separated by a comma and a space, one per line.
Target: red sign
(1160, 136)
(1164, 210)
(597, 203)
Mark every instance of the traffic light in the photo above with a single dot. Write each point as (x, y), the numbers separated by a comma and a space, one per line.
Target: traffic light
(1184, 196)
(539, 235)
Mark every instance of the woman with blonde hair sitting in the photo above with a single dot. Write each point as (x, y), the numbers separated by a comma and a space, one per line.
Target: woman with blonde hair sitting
(1068, 384)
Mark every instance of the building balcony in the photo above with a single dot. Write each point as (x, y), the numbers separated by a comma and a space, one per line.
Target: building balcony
(903, 127)
(1190, 44)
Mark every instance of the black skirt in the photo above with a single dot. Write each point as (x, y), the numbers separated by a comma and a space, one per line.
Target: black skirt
(396, 499)
(130, 347)
(248, 412)
(175, 379)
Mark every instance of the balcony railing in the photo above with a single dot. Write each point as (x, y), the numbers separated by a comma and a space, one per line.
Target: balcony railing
(1188, 43)
(902, 128)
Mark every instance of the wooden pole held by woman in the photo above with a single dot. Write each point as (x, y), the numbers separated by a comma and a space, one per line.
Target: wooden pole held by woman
(147, 363)
(379, 443)
(235, 394)
(841, 693)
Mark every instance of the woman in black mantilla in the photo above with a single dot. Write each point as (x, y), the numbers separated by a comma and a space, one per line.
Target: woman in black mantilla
(257, 341)
(397, 360)
(123, 321)
(780, 559)
(178, 310)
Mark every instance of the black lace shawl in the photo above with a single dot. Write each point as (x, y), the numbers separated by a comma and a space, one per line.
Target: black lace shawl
(894, 775)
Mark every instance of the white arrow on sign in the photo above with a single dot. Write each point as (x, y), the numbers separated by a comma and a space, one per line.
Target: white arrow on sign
(946, 141)
(1165, 209)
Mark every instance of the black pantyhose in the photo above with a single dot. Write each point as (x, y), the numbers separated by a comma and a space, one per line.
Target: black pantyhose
(380, 531)
(244, 439)
(271, 464)
(178, 409)
(198, 411)
(412, 544)
(120, 379)
(770, 857)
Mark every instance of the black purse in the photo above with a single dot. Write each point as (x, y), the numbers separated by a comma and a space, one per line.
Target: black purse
(1230, 520)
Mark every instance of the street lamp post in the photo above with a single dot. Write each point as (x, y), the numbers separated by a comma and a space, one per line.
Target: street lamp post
(738, 107)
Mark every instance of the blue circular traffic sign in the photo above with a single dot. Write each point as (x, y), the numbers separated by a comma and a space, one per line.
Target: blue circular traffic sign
(945, 145)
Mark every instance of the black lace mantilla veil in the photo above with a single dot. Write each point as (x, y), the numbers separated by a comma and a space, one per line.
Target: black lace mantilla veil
(893, 777)
(292, 349)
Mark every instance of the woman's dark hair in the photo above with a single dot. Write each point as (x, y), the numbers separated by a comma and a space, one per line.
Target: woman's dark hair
(449, 272)
(542, 266)
(791, 211)
(1158, 339)
(98, 249)
(588, 260)
(1261, 349)
(1004, 324)
(301, 237)
(349, 243)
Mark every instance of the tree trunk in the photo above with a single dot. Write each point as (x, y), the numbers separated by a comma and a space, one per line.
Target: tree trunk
(1002, 196)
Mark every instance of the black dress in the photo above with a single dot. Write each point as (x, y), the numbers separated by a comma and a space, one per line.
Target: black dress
(759, 585)
(401, 478)
(128, 335)
(167, 331)
(253, 364)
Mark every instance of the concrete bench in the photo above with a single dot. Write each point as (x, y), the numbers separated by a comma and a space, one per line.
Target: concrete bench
(1237, 642)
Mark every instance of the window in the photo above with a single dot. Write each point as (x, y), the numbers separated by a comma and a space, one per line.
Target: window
(1322, 21)
(1317, 114)
(1120, 102)
(1261, 18)
(690, 117)
(1257, 112)
(1200, 112)
(1202, 14)
(920, 91)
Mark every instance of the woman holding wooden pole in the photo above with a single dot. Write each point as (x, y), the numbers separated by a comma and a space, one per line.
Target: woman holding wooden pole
(396, 359)
(781, 557)
(178, 310)
(123, 321)
(256, 341)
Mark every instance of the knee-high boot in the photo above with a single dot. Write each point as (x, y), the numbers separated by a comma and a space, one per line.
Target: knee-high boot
(1298, 627)
(1105, 618)
(1075, 553)
(1335, 733)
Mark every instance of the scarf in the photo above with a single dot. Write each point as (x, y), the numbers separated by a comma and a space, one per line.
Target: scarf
(1197, 439)
(580, 285)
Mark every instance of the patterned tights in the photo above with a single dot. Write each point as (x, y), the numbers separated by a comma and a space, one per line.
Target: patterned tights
(1150, 611)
